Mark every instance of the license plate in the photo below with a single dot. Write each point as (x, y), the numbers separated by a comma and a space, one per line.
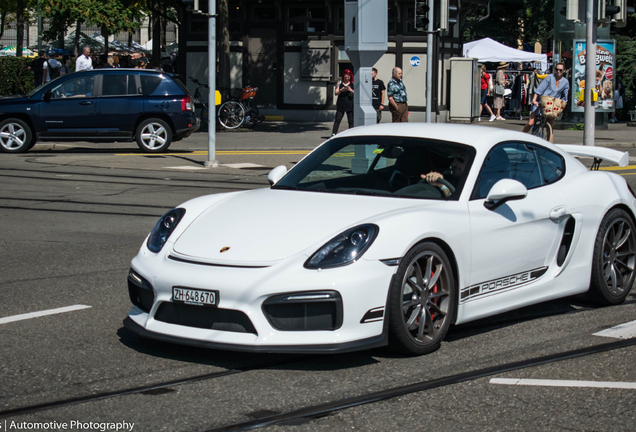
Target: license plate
(194, 296)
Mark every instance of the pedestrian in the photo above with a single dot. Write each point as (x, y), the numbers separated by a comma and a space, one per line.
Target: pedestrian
(553, 85)
(397, 97)
(344, 91)
(500, 83)
(84, 61)
(618, 103)
(378, 91)
(37, 67)
(66, 65)
(52, 68)
(485, 92)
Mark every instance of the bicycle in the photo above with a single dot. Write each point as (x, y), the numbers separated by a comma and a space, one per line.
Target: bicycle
(198, 98)
(232, 113)
(237, 112)
(541, 128)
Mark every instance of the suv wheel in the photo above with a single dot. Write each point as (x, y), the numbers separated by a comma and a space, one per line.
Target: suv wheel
(15, 136)
(153, 136)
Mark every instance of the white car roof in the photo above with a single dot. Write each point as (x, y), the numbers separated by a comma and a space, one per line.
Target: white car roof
(480, 137)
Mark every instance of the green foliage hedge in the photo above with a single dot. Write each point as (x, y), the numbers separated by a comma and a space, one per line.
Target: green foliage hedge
(16, 77)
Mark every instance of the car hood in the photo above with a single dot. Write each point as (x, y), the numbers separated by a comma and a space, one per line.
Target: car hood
(264, 226)
(12, 99)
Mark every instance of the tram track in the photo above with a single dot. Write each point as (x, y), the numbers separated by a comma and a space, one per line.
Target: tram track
(316, 411)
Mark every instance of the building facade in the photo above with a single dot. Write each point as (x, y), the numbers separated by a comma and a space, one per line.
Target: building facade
(293, 50)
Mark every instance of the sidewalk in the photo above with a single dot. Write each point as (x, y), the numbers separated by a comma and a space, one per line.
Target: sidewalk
(255, 153)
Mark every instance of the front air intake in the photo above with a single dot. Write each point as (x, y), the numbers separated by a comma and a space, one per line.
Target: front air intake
(305, 311)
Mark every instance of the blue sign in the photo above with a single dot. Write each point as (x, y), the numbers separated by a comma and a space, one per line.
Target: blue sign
(415, 61)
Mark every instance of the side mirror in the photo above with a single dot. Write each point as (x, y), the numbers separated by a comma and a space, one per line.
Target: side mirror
(276, 174)
(47, 96)
(503, 191)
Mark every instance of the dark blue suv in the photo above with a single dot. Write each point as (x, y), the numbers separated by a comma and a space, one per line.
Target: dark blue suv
(101, 105)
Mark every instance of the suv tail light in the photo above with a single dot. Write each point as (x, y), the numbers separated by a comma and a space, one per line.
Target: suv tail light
(186, 104)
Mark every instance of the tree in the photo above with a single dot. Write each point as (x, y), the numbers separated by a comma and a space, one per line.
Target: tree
(511, 21)
(19, 27)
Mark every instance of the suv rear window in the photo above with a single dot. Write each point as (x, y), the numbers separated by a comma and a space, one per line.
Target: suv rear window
(155, 85)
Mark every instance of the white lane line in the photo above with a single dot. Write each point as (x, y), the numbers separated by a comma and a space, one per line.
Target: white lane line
(42, 313)
(187, 168)
(242, 165)
(621, 331)
(563, 383)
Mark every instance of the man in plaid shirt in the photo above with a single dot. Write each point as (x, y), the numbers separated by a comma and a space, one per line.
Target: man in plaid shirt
(397, 97)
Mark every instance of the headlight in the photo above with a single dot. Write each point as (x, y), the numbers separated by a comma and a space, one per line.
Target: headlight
(160, 233)
(345, 248)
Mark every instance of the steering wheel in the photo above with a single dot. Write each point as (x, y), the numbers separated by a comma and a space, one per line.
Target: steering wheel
(446, 183)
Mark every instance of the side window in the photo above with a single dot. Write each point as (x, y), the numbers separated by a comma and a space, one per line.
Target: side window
(77, 87)
(159, 85)
(552, 165)
(149, 83)
(529, 164)
(118, 85)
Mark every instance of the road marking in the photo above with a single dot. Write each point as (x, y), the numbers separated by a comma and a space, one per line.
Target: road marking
(223, 153)
(617, 168)
(186, 168)
(243, 165)
(42, 313)
(621, 331)
(563, 383)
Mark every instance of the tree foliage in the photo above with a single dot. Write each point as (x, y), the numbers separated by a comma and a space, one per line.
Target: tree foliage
(511, 21)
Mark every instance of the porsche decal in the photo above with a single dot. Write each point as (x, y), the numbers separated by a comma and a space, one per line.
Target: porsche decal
(503, 284)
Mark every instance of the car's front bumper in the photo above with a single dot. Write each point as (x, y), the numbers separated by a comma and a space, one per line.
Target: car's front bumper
(362, 286)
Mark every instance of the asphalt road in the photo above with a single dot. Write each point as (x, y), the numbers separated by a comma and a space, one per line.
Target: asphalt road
(74, 217)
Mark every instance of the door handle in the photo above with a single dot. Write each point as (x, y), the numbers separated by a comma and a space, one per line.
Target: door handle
(86, 103)
(558, 212)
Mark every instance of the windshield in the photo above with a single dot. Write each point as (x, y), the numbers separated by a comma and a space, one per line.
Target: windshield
(38, 88)
(383, 166)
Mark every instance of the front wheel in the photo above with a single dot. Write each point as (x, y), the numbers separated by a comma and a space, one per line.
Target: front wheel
(15, 136)
(231, 115)
(546, 132)
(614, 259)
(153, 136)
(422, 300)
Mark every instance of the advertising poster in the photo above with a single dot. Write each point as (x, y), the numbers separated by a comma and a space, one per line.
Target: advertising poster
(605, 70)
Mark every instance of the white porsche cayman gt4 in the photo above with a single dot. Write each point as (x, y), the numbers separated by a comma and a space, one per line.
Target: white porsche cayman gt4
(387, 234)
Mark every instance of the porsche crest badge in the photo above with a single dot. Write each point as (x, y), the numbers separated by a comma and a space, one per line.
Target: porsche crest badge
(225, 249)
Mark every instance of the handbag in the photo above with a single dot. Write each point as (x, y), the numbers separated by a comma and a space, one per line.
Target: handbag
(499, 90)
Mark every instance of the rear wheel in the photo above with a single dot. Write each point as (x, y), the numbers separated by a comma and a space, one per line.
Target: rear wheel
(423, 300)
(153, 136)
(231, 115)
(614, 259)
(15, 136)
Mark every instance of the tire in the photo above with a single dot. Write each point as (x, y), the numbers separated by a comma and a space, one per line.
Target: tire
(252, 115)
(614, 259)
(546, 132)
(153, 136)
(420, 314)
(231, 115)
(15, 136)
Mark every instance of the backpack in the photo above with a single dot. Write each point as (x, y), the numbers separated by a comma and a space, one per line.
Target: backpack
(54, 72)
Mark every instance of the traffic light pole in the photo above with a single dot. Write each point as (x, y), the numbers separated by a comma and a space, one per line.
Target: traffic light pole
(590, 74)
(429, 60)
(211, 162)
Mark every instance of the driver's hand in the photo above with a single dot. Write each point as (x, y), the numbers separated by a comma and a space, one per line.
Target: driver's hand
(432, 177)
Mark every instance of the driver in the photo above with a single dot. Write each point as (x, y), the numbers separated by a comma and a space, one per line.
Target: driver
(458, 165)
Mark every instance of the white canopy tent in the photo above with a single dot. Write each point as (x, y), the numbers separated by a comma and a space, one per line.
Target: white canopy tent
(488, 50)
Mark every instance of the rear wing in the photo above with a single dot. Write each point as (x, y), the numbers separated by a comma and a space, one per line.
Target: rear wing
(598, 153)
